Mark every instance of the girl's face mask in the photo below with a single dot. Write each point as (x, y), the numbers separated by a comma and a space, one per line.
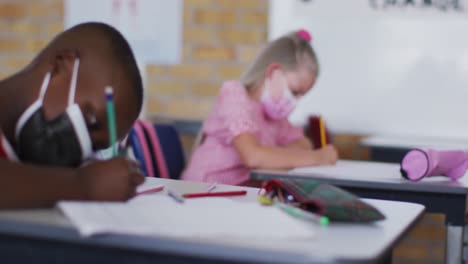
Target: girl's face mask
(277, 100)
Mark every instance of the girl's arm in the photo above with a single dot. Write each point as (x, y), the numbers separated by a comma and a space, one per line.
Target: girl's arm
(302, 143)
(255, 156)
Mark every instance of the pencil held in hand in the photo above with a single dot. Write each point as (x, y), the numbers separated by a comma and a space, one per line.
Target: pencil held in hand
(323, 134)
(318, 132)
(111, 123)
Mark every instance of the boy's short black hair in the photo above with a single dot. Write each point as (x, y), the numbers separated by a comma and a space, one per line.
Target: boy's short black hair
(120, 52)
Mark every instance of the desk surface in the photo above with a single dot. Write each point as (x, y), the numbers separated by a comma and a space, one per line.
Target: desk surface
(335, 243)
(369, 174)
(409, 142)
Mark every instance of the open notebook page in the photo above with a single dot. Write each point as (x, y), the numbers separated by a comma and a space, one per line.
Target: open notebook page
(204, 218)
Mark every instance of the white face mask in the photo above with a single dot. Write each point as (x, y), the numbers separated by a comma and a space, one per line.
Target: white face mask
(108, 153)
(280, 107)
(104, 154)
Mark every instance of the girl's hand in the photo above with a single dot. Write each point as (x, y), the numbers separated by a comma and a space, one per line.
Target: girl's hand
(327, 155)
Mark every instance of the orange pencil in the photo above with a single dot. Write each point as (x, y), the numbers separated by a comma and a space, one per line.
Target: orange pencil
(323, 135)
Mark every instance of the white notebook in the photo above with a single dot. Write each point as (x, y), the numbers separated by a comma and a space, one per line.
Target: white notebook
(200, 218)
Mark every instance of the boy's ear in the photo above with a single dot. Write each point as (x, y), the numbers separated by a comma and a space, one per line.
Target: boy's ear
(271, 68)
(63, 61)
(61, 69)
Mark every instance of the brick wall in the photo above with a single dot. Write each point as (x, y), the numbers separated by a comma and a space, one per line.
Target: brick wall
(25, 27)
(425, 244)
(220, 37)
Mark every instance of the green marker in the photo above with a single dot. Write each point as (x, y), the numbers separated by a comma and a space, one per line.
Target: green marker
(111, 120)
(302, 214)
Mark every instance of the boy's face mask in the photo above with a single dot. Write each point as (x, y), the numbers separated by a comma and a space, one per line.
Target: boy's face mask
(108, 153)
(63, 141)
(277, 100)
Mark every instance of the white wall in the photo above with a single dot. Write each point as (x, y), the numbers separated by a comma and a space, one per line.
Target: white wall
(152, 27)
(389, 70)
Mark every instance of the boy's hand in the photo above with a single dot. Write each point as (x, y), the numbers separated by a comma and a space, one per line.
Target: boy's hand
(112, 180)
(327, 155)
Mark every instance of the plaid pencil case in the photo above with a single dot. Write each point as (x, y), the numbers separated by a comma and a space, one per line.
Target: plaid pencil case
(322, 199)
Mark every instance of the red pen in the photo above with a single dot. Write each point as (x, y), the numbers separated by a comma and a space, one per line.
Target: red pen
(152, 190)
(214, 194)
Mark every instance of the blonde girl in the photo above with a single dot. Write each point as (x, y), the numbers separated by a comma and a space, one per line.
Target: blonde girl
(248, 127)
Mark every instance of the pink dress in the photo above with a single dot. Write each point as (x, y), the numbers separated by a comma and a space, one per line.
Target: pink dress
(234, 113)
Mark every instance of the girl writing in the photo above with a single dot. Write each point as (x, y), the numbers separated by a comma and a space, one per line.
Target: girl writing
(248, 127)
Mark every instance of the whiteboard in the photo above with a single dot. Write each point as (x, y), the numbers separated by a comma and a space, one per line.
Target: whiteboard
(152, 27)
(385, 68)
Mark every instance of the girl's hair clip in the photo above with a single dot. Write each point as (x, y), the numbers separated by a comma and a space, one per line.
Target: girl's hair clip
(304, 35)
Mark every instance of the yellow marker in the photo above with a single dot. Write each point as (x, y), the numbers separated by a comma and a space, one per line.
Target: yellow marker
(323, 135)
(263, 200)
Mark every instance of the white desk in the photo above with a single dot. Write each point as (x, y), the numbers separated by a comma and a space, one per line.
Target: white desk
(392, 148)
(380, 180)
(45, 235)
(409, 142)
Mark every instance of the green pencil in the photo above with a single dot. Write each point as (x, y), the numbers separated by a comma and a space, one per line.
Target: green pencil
(111, 123)
(302, 214)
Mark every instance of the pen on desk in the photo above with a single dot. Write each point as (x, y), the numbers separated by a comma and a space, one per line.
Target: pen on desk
(214, 194)
(152, 190)
(323, 135)
(175, 196)
(211, 187)
(111, 123)
(302, 214)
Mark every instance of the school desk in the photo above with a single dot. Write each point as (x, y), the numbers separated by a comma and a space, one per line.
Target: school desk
(45, 236)
(392, 148)
(379, 180)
